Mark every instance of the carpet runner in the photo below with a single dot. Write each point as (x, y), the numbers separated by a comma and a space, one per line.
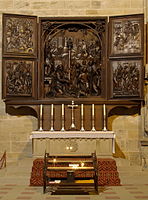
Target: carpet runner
(108, 174)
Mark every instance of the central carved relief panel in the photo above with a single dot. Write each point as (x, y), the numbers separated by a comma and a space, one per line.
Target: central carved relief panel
(73, 61)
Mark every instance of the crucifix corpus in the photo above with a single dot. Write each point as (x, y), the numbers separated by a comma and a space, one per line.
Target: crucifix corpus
(72, 106)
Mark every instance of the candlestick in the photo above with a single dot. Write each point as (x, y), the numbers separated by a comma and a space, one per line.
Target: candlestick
(82, 126)
(41, 120)
(41, 110)
(104, 118)
(93, 110)
(62, 109)
(51, 109)
(104, 110)
(81, 109)
(51, 129)
(93, 118)
(62, 129)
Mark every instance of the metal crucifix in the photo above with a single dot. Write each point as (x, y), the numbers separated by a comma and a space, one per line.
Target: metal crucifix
(72, 106)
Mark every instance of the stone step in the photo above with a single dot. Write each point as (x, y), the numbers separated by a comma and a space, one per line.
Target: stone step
(122, 162)
(129, 168)
(20, 168)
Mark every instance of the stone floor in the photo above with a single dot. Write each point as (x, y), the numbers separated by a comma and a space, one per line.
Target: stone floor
(14, 184)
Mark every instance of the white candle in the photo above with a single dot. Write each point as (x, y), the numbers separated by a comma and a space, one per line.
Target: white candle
(93, 110)
(82, 109)
(41, 110)
(52, 109)
(104, 110)
(62, 109)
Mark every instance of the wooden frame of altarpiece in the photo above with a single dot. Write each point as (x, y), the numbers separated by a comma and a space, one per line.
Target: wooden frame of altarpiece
(126, 53)
(87, 60)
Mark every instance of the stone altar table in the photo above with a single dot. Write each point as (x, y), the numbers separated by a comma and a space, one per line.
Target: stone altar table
(73, 142)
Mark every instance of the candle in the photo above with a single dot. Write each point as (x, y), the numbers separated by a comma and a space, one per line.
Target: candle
(41, 110)
(82, 109)
(104, 110)
(62, 109)
(93, 110)
(51, 109)
(82, 164)
(62, 129)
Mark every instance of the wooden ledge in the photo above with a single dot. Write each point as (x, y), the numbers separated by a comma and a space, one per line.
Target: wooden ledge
(144, 141)
(70, 168)
(59, 101)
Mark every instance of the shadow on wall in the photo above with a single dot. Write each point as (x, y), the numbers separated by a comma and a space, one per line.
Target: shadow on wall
(26, 152)
(121, 110)
(118, 152)
(23, 110)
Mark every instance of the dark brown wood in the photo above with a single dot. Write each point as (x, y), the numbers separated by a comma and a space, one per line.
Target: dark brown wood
(19, 56)
(126, 35)
(72, 57)
(90, 76)
(61, 163)
(111, 109)
(19, 101)
(68, 34)
(144, 142)
(126, 78)
(19, 78)
(126, 53)
(19, 35)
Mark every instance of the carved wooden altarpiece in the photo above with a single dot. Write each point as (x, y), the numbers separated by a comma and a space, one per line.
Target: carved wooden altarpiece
(73, 60)
(19, 77)
(86, 60)
(126, 53)
(19, 35)
(19, 56)
(126, 36)
(126, 78)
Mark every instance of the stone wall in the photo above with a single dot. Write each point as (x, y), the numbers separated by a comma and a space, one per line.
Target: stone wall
(15, 130)
(15, 136)
(72, 7)
(128, 132)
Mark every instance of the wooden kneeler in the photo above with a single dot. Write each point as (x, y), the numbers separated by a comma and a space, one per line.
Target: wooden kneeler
(69, 165)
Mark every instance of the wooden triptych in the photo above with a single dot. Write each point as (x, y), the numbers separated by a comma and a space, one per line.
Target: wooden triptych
(85, 58)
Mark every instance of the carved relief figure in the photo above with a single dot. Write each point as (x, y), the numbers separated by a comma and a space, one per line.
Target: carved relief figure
(19, 35)
(126, 78)
(18, 77)
(73, 60)
(126, 37)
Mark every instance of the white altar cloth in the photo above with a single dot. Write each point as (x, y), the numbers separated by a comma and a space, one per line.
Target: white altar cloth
(75, 134)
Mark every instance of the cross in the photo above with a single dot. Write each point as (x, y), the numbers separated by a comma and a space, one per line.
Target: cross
(72, 106)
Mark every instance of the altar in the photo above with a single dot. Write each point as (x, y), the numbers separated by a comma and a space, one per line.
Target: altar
(73, 142)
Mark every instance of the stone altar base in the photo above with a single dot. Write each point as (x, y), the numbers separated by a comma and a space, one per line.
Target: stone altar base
(73, 142)
(108, 174)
